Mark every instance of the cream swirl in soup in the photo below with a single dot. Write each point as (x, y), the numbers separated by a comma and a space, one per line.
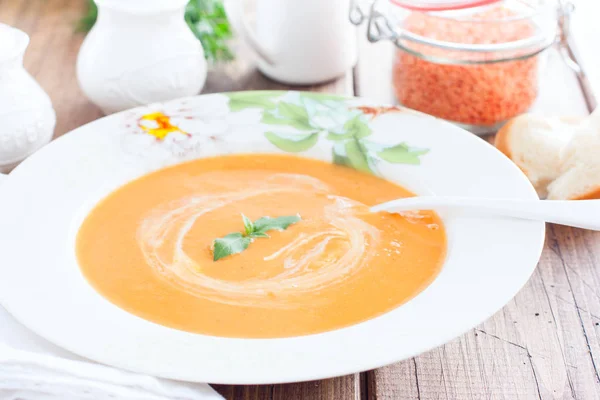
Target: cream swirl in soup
(328, 247)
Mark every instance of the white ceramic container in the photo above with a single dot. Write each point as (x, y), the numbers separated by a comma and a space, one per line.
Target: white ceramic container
(140, 52)
(26, 112)
(298, 43)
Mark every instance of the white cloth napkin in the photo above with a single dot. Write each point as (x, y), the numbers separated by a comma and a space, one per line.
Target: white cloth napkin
(33, 369)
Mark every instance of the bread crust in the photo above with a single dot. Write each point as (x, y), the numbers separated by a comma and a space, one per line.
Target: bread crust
(502, 142)
(505, 143)
(590, 195)
(502, 139)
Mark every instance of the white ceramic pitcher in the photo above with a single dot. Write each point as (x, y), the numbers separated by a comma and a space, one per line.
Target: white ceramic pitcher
(26, 113)
(140, 52)
(298, 42)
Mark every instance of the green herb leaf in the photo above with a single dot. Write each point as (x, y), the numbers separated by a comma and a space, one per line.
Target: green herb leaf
(89, 19)
(231, 244)
(237, 242)
(294, 143)
(402, 154)
(259, 235)
(280, 223)
(248, 225)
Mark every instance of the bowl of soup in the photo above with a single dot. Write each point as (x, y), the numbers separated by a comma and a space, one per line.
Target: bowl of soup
(228, 238)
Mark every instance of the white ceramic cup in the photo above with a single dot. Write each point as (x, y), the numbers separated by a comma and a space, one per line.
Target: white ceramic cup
(298, 42)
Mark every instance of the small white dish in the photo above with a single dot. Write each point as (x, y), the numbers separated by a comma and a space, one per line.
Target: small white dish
(46, 198)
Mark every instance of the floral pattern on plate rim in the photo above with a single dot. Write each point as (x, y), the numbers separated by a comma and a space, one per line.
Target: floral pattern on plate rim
(296, 122)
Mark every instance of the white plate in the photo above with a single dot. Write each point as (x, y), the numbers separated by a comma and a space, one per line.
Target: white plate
(46, 198)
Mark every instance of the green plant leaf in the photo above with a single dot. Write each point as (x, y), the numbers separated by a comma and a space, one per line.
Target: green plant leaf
(288, 114)
(353, 128)
(292, 115)
(280, 223)
(208, 22)
(230, 244)
(358, 156)
(402, 154)
(271, 119)
(237, 242)
(292, 111)
(89, 19)
(248, 225)
(357, 128)
(242, 100)
(258, 235)
(340, 159)
(336, 137)
(293, 143)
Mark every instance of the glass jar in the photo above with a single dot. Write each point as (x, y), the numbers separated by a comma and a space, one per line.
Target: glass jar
(475, 63)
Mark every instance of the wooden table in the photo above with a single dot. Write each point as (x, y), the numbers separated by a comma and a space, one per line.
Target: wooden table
(544, 344)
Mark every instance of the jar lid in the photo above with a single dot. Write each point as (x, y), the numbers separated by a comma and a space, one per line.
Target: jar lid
(441, 5)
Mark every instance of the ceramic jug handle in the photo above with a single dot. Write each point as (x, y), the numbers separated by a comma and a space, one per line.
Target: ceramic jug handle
(235, 14)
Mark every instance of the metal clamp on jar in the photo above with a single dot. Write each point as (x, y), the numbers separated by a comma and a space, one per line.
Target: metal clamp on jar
(475, 63)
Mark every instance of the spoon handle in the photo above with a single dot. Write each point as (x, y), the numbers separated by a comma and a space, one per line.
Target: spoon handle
(577, 213)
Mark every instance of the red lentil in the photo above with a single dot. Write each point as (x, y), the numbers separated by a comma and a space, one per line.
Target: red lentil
(482, 94)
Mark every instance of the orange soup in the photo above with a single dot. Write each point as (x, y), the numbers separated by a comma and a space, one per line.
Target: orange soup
(149, 247)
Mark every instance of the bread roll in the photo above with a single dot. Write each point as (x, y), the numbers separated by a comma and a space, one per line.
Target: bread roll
(535, 144)
(579, 177)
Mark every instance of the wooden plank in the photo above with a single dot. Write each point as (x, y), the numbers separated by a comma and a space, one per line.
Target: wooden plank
(537, 346)
(342, 388)
(10, 12)
(575, 296)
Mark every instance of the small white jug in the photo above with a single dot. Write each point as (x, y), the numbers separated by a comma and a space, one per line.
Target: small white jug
(298, 42)
(26, 113)
(140, 52)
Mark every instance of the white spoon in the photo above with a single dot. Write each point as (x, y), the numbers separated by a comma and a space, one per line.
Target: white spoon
(577, 213)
